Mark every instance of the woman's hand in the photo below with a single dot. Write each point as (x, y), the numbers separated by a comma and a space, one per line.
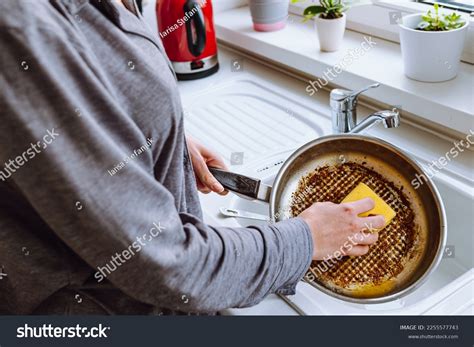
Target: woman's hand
(201, 158)
(338, 228)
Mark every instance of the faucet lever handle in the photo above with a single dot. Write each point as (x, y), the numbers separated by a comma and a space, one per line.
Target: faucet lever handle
(353, 96)
(344, 108)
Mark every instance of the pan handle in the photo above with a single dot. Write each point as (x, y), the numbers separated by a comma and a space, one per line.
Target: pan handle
(244, 185)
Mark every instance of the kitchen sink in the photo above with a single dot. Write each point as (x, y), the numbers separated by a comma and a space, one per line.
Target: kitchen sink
(457, 263)
(255, 119)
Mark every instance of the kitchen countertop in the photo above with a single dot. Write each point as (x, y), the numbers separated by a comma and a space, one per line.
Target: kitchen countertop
(450, 104)
(424, 144)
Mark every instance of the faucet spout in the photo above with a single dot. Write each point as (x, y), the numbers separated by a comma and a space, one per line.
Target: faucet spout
(344, 112)
(390, 119)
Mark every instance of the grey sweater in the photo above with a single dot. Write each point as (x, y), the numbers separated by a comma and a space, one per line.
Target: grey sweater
(98, 206)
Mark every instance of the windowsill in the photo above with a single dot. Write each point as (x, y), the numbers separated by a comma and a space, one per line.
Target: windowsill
(379, 19)
(449, 104)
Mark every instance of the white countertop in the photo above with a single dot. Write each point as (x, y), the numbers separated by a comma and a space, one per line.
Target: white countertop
(449, 104)
(423, 144)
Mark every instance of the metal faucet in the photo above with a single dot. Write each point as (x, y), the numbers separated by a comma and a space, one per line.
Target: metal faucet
(344, 112)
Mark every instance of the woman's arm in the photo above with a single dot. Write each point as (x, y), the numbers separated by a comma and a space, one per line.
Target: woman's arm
(213, 268)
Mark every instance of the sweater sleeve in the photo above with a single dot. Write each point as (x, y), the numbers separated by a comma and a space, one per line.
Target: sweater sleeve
(126, 226)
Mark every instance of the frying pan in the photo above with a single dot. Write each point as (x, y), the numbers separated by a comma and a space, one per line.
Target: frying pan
(385, 159)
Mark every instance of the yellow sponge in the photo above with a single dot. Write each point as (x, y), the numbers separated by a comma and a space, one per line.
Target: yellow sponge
(362, 191)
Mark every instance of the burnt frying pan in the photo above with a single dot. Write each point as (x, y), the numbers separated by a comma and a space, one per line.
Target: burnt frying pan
(384, 163)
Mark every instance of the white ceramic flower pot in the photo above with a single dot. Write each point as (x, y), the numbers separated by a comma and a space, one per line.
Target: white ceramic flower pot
(430, 56)
(330, 32)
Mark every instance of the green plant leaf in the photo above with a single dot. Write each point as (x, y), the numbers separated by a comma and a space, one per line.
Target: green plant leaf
(313, 10)
(329, 9)
(440, 22)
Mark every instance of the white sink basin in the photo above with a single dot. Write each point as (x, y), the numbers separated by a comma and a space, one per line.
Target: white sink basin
(454, 272)
(456, 263)
(265, 116)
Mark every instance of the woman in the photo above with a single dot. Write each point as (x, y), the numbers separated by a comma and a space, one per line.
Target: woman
(99, 207)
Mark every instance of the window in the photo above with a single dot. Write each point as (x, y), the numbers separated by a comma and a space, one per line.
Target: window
(462, 5)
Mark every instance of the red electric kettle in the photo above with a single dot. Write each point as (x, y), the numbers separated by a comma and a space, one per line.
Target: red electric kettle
(187, 30)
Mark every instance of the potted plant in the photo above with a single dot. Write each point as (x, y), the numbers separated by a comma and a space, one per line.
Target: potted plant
(269, 15)
(432, 44)
(330, 22)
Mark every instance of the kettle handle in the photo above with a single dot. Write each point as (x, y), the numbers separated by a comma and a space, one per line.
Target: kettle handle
(197, 40)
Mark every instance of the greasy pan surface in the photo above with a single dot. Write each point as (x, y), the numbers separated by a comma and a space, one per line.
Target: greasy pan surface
(408, 249)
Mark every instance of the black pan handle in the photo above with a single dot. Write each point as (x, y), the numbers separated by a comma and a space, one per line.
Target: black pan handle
(237, 183)
(197, 39)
